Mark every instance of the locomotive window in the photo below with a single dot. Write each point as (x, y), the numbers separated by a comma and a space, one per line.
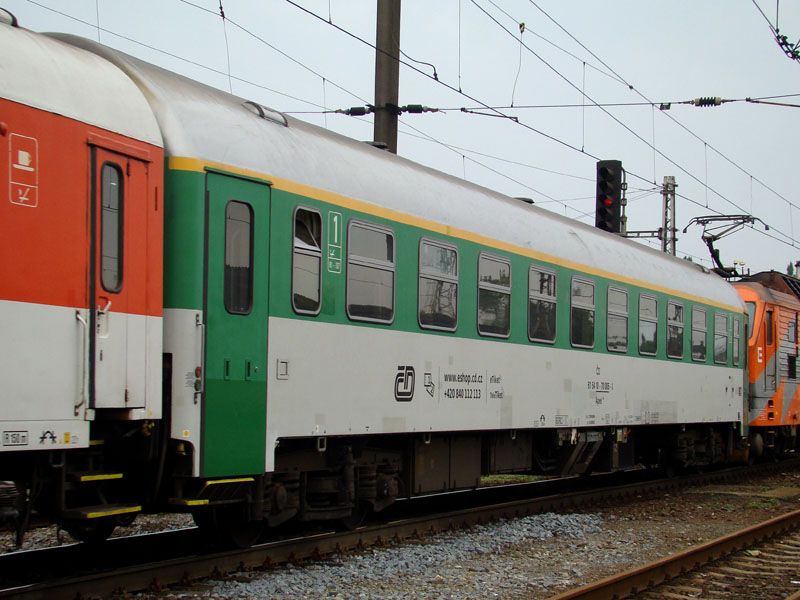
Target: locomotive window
(617, 329)
(582, 313)
(494, 296)
(674, 330)
(541, 305)
(770, 325)
(699, 329)
(438, 285)
(648, 325)
(737, 324)
(111, 228)
(370, 273)
(306, 261)
(238, 258)
(720, 338)
(751, 316)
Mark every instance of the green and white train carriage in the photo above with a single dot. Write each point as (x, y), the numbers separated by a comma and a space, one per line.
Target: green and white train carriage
(344, 326)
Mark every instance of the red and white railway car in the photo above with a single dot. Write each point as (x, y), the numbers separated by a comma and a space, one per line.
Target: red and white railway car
(81, 167)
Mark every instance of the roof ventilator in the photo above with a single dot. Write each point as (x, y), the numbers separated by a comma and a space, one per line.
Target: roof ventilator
(8, 18)
(266, 113)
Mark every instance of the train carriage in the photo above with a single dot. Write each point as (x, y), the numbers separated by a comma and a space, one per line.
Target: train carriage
(80, 268)
(343, 327)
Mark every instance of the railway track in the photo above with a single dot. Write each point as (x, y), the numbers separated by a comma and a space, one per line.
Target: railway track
(179, 557)
(760, 562)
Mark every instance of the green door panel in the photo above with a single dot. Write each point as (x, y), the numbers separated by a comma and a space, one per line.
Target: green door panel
(236, 293)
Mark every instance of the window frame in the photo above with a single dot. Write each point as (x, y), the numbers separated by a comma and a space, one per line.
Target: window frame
(724, 334)
(120, 226)
(737, 341)
(592, 308)
(493, 287)
(251, 257)
(544, 298)
(704, 331)
(616, 313)
(674, 323)
(307, 252)
(643, 296)
(365, 261)
(453, 279)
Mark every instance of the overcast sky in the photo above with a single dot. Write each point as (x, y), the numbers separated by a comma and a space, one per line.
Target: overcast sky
(725, 159)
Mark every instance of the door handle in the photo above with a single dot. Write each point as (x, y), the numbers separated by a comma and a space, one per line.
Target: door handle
(106, 308)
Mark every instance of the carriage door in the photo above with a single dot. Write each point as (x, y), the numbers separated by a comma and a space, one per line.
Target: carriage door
(119, 223)
(236, 310)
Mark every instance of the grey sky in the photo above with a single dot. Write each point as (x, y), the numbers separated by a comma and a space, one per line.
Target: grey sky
(669, 51)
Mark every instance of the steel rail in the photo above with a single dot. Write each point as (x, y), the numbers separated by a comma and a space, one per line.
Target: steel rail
(639, 579)
(182, 570)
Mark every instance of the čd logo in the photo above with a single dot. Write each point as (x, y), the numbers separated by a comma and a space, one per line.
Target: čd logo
(404, 383)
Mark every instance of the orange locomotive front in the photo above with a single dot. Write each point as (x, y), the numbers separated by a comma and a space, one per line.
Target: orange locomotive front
(773, 305)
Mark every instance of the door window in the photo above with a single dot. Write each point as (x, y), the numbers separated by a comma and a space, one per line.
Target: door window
(111, 227)
(238, 258)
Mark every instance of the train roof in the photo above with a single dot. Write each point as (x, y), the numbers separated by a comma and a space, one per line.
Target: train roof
(48, 74)
(202, 122)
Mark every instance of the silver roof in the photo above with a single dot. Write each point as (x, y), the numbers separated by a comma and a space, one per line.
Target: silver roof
(47, 74)
(202, 122)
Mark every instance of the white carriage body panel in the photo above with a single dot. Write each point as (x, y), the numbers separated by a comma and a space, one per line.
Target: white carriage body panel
(45, 73)
(327, 380)
(48, 391)
(131, 379)
(183, 339)
(43, 391)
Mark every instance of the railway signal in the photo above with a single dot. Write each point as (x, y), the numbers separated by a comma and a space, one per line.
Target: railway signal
(608, 206)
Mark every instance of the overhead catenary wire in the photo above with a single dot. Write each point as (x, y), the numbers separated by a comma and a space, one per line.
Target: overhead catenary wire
(612, 116)
(508, 117)
(683, 169)
(249, 82)
(667, 114)
(179, 57)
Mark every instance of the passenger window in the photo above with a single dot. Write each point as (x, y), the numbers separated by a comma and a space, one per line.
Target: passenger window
(541, 305)
(307, 261)
(582, 313)
(238, 258)
(617, 327)
(438, 285)
(699, 329)
(648, 325)
(370, 273)
(111, 227)
(736, 340)
(720, 338)
(674, 330)
(494, 296)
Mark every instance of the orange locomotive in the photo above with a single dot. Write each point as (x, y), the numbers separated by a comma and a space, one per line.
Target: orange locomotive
(773, 305)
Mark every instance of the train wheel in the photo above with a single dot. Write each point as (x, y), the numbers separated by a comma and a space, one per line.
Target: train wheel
(90, 531)
(229, 527)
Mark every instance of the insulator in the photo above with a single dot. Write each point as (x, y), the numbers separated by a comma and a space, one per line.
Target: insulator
(707, 101)
(357, 111)
(414, 109)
